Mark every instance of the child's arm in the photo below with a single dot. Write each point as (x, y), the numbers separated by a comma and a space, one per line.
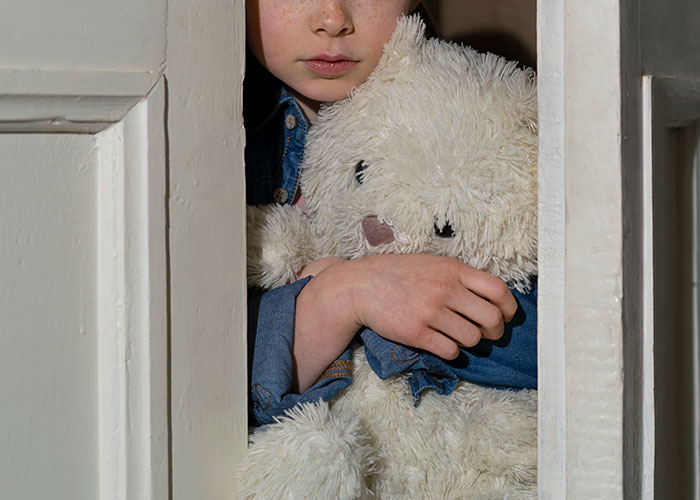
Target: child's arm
(424, 301)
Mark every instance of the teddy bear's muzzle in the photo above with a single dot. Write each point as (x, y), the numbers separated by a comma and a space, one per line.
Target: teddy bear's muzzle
(376, 232)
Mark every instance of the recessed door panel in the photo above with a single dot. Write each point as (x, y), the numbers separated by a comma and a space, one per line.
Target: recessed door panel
(48, 324)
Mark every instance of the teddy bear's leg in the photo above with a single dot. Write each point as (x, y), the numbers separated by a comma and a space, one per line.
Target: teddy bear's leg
(477, 443)
(310, 454)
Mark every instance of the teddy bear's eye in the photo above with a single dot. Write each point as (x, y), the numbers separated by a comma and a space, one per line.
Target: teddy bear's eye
(359, 171)
(445, 231)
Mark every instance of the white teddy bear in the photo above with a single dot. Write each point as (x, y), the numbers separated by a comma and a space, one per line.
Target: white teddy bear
(435, 153)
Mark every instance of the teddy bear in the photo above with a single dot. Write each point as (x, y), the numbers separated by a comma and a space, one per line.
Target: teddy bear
(435, 153)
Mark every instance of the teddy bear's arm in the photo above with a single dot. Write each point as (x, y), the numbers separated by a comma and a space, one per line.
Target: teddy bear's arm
(279, 243)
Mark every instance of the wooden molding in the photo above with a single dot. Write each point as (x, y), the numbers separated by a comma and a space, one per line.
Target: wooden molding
(132, 304)
(69, 101)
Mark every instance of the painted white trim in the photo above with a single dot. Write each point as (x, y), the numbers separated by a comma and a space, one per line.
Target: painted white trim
(77, 83)
(132, 305)
(551, 344)
(648, 411)
(583, 170)
(206, 62)
(69, 101)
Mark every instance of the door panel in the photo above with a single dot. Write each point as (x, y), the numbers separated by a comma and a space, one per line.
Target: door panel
(48, 365)
(83, 309)
(674, 356)
(133, 238)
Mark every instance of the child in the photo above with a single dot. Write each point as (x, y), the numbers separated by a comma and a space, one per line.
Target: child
(305, 53)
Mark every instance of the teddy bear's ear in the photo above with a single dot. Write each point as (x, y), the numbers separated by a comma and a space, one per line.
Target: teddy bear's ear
(403, 47)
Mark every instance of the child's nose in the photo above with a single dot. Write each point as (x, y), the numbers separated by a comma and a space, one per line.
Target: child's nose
(333, 18)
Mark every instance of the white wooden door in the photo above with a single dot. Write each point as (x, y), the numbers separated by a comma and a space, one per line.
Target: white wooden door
(614, 338)
(122, 371)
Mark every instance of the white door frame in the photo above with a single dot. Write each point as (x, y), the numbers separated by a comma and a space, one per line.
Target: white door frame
(596, 358)
(590, 247)
(208, 364)
(667, 103)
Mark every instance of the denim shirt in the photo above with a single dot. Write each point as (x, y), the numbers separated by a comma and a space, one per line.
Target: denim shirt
(276, 133)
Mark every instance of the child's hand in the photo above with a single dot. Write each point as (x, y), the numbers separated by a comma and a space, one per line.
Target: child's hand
(429, 302)
(423, 301)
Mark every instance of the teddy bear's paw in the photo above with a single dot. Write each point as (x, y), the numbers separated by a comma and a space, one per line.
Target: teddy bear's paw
(279, 243)
(311, 453)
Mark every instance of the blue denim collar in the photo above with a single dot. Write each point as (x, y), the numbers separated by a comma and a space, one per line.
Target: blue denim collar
(275, 137)
(283, 99)
(263, 95)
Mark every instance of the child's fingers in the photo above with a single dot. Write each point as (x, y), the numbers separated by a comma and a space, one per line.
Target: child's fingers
(437, 343)
(487, 316)
(490, 288)
(458, 328)
(433, 303)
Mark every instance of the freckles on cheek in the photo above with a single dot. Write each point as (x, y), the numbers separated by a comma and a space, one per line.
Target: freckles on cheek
(277, 16)
(285, 12)
(381, 16)
(379, 9)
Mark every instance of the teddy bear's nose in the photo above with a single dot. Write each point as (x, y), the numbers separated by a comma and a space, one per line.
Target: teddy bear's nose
(376, 232)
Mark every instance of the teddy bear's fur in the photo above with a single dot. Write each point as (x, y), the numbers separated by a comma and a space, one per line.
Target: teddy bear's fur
(435, 153)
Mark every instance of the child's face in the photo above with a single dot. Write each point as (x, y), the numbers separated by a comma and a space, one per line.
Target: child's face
(321, 49)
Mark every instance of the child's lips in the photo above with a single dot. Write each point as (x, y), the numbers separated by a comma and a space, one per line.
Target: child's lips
(329, 65)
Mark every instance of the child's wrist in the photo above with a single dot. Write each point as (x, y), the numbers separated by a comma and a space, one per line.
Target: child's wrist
(330, 294)
(358, 289)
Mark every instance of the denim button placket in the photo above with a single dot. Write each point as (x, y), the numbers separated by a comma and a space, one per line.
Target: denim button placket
(290, 121)
(294, 138)
(280, 195)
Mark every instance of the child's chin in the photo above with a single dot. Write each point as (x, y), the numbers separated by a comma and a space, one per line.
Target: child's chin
(330, 90)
